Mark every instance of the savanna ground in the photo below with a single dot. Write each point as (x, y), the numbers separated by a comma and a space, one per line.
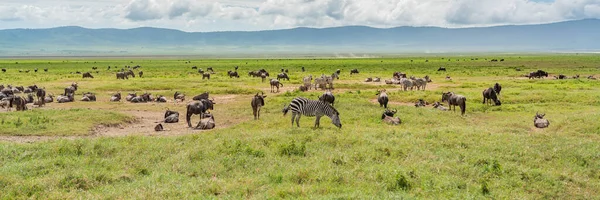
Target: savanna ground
(109, 150)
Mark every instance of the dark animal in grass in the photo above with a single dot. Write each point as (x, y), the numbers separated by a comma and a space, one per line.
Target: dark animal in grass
(591, 77)
(327, 97)
(232, 74)
(159, 127)
(439, 106)
(538, 74)
(353, 71)
(49, 99)
(206, 75)
(194, 67)
(388, 117)
(161, 99)
(29, 98)
(264, 76)
(338, 71)
(71, 89)
(399, 75)
(275, 84)
(122, 75)
(254, 74)
(200, 71)
(3, 70)
(283, 76)
(377, 79)
(171, 117)
(94, 68)
(455, 100)
(64, 99)
(210, 69)
(130, 96)
(87, 75)
(497, 88)
(20, 88)
(116, 97)
(198, 108)
(303, 88)
(178, 96)
(46, 70)
(141, 73)
(303, 70)
(130, 73)
(576, 76)
(236, 68)
(382, 98)
(88, 97)
(421, 103)
(369, 79)
(19, 102)
(540, 122)
(286, 71)
(441, 69)
(206, 123)
(201, 96)
(518, 69)
(489, 95)
(258, 101)
(35, 70)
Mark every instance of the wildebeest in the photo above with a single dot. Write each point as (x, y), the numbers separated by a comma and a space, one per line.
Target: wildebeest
(497, 88)
(141, 73)
(327, 97)
(369, 79)
(382, 98)
(200, 71)
(49, 98)
(3, 70)
(439, 106)
(303, 88)
(398, 75)
(538, 74)
(206, 75)
(146, 97)
(540, 122)
(233, 74)
(88, 97)
(421, 103)
(178, 96)
(206, 123)
(198, 108)
(161, 99)
(455, 100)
(576, 76)
(116, 97)
(171, 116)
(71, 89)
(130, 96)
(65, 99)
(194, 67)
(591, 77)
(388, 117)
(94, 68)
(303, 69)
(210, 69)
(283, 76)
(490, 95)
(19, 102)
(130, 73)
(441, 69)
(200, 96)
(353, 71)
(29, 98)
(275, 84)
(258, 101)
(264, 76)
(122, 75)
(35, 70)
(377, 79)
(159, 127)
(87, 75)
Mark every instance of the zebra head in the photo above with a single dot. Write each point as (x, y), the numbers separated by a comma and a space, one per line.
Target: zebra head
(335, 118)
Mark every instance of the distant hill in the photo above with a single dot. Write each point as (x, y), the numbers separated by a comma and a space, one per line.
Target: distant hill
(579, 35)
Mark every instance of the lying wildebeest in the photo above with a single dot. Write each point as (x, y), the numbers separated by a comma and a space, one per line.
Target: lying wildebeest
(88, 97)
(146, 97)
(303, 88)
(382, 98)
(490, 95)
(198, 108)
(275, 84)
(442, 69)
(448, 78)
(377, 79)
(161, 99)
(19, 102)
(591, 77)
(200, 96)
(303, 106)
(65, 99)
(171, 116)
(283, 76)
(159, 127)
(540, 122)
(538, 74)
(388, 117)
(194, 67)
(130, 96)
(497, 88)
(421, 103)
(327, 97)
(369, 79)
(455, 100)
(576, 76)
(116, 97)
(233, 74)
(200, 71)
(87, 75)
(206, 123)
(71, 89)
(353, 71)
(3, 70)
(178, 96)
(439, 106)
(258, 101)
(399, 75)
(206, 75)
(49, 99)
(141, 73)
(560, 76)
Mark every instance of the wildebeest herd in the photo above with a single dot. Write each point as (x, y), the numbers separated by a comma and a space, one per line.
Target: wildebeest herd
(299, 106)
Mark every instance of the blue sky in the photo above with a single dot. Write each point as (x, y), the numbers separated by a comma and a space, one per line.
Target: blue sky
(226, 15)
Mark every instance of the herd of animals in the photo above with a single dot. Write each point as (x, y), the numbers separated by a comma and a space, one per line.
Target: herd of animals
(324, 106)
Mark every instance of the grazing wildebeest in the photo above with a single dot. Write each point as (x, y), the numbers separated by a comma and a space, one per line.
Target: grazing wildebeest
(455, 100)
(200, 96)
(87, 75)
(388, 117)
(283, 76)
(206, 123)
(439, 106)
(382, 98)
(178, 96)
(116, 97)
(377, 79)
(441, 69)
(369, 79)
(122, 75)
(130, 73)
(490, 94)
(538, 74)
(141, 73)
(161, 99)
(171, 116)
(353, 71)
(210, 69)
(200, 71)
(206, 75)
(19, 102)
(540, 122)
(327, 97)
(264, 76)
(233, 74)
(71, 89)
(130, 96)
(198, 108)
(258, 101)
(303, 106)
(275, 84)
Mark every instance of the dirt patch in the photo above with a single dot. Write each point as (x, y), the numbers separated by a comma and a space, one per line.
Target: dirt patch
(394, 103)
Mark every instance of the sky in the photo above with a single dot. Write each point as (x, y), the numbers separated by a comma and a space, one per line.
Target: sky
(251, 15)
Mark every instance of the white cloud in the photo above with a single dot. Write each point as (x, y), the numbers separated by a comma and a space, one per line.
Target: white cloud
(211, 15)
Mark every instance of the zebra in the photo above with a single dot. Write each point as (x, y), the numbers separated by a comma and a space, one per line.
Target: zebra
(307, 81)
(303, 106)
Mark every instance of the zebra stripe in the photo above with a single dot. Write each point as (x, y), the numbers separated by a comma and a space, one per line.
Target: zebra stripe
(312, 108)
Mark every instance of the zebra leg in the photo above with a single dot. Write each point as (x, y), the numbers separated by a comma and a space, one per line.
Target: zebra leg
(298, 119)
(293, 117)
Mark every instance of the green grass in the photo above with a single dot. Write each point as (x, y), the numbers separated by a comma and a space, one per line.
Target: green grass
(491, 152)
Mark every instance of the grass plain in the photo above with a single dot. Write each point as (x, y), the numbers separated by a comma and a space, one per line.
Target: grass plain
(491, 152)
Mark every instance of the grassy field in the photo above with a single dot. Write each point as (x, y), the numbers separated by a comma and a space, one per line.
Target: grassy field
(104, 150)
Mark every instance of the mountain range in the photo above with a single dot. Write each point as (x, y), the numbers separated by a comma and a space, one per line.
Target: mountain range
(569, 36)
